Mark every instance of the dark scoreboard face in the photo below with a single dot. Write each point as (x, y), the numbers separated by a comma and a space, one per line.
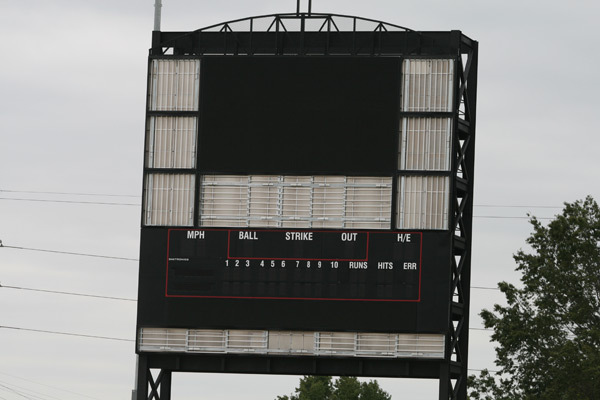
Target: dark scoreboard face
(379, 281)
(296, 116)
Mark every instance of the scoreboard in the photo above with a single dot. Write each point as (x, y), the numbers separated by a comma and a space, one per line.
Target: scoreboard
(297, 193)
(307, 201)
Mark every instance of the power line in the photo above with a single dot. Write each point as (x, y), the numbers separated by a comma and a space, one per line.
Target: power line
(67, 293)
(513, 206)
(65, 333)
(48, 386)
(67, 252)
(117, 339)
(139, 205)
(120, 258)
(507, 217)
(15, 392)
(36, 394)
(72, 202)
(137, 196)
(70, 193)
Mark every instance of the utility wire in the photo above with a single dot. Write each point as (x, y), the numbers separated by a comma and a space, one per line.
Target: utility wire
(70, 193)
(123, 298)
(112, 338)
(137, 196)
(66, 333)
(507, 217)
(36, 394)
(48, 386)
(115, 258)
(68, 253)
(67, 293)
(72, 202)
(139, 205)
(8, 389)
(513, 206)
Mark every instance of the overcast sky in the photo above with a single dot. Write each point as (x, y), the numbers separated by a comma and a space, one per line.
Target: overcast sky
(72, 98)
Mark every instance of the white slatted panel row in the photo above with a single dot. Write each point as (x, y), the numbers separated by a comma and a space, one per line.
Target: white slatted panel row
(171, 142)
(308, 343)
(169, 199)
(425, 144)
(427, 85)
(423, 202)
(296, 201)
(174, 85)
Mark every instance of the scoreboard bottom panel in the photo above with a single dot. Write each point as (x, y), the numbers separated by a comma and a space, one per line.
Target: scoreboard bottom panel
(294, 264)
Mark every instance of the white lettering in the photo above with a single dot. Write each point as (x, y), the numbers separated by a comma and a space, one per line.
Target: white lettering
(385, 265)
(404, 238)
(195, 234)
(243, 235)
(298, 236)
(411, 266)
(358, 265)
(349, 236)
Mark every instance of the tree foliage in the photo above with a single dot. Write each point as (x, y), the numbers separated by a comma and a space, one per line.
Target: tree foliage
(548, 334)
(343, 388)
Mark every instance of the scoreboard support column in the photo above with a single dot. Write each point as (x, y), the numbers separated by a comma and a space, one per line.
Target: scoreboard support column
(149, 388)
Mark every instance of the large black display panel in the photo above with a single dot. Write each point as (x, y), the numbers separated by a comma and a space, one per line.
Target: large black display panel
(374, 281)
(300, 114)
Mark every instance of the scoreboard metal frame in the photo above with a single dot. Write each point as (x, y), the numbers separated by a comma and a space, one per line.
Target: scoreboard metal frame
(163, 249)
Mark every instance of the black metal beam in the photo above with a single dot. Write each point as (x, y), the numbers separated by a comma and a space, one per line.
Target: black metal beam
(287, 365)
(370, 43)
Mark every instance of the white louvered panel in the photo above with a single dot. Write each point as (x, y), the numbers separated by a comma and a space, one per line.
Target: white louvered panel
(425, 144)
(169, 199)
(174, 85)
(329, 201)
(264, 204)
(224, 200)
(423, 202)
(247, 340)
(427, 85)
(368, 202)
(296, 201)
(437, 202)
(171, 142)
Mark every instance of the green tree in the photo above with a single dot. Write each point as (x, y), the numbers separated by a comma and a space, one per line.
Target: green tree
(311, 388)
(344, 388)
(548, 334)
(371, 391)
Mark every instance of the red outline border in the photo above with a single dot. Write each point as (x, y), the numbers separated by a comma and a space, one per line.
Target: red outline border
(294, 258)
(301, 259)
